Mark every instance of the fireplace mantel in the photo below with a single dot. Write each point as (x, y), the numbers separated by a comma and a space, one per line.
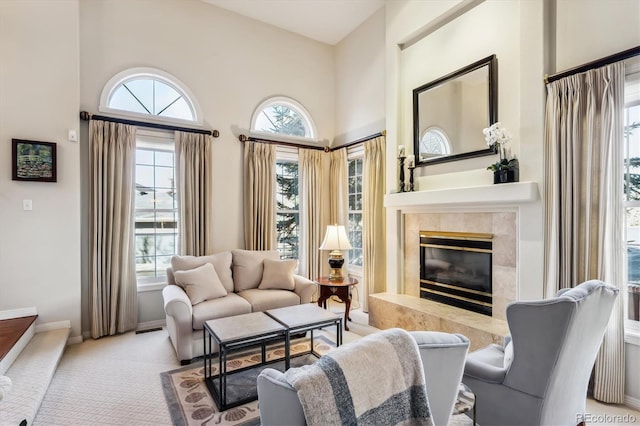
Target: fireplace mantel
(487, 195)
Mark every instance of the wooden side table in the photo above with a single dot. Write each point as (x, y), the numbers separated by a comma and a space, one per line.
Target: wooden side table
(340, 288)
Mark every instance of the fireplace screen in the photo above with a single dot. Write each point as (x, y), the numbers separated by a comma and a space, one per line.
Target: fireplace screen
(455, 268)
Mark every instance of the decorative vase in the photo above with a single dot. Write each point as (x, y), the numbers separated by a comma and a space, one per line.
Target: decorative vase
(506, 176)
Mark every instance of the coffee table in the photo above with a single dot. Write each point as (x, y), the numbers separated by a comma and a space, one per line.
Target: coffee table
(232, 333)
(303, 318)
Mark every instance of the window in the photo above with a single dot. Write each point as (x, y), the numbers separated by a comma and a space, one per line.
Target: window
(287, 203)
(149, 93)
(434, 143)
(354, 171)
(632, 192)
(156, 209)
(283, 116)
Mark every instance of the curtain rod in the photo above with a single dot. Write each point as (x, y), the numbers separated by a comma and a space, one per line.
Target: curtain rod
(366, 138)
(620, 56)
(86, 116)
(244, 138)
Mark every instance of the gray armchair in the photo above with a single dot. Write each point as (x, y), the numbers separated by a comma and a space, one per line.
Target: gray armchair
(540, 377)
(443, 357)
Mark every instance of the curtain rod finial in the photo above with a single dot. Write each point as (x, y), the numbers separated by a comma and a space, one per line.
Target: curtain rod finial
(242, 138)
(85, 116)
(215, 133)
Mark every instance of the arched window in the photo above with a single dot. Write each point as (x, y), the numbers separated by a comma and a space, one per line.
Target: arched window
(149, 93)
(434, 142)
(283, 116)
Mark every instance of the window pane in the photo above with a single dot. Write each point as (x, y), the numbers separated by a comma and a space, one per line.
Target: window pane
(151, 95)
(144, 197)
(164, 96)
(355, 212)
(124, 100)
(287, 226)
(144, 156)
(144, 176)
(164, 158)
(164, 177)
(179, 109)
(287, 206)
(142, 89)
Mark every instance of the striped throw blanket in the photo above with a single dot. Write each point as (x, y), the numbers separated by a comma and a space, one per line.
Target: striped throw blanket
(377, 380)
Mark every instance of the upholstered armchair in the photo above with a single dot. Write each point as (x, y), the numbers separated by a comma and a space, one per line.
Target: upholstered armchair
(443, 356)
(540, 376)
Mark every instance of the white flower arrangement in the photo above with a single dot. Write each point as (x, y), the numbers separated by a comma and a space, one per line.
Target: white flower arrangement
(497, 137)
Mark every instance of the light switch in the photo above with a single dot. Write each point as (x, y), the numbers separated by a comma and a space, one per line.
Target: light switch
(73, 135)
(27, 205)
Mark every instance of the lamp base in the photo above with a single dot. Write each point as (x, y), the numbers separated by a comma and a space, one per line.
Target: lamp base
(335, 263)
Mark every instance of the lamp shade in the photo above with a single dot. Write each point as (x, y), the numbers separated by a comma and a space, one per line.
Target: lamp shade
(335, 239)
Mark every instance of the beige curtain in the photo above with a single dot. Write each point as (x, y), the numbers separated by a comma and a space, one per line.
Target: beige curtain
(312, 197)
(584, 201)
(338, 184)
(259, 196)
(374, 242)
(195, 192)
(112, 288)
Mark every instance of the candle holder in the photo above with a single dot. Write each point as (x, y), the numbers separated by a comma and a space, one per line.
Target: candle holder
(401, 183)
(411, 169)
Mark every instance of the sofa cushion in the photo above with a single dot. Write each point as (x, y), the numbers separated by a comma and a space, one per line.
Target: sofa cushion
(278, 274)
(263, 300)
(201, 283)
(226, 306)
(220, 261)
(248, 266)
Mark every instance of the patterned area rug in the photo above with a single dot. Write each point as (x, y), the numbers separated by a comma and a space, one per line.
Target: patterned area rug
(190, 402)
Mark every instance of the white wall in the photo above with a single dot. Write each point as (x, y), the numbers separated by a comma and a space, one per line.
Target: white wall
(39, 93)
(591, 29)
(460, 42)
(230, 63)
(360, 79)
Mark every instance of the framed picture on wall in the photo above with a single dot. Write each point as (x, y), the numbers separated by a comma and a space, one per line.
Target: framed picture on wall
(33, 161)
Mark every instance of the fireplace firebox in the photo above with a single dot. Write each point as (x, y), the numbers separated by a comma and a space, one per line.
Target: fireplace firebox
(455, 268)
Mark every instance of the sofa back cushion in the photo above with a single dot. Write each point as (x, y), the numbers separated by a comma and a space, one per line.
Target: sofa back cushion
(220, 261)
(248, 267)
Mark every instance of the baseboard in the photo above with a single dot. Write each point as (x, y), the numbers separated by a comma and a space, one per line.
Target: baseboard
(18, 313)
(151, 324)
(632, 402)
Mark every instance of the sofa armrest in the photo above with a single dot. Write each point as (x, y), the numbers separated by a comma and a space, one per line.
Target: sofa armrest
(305, 288)
(177, 303)
(179, 311)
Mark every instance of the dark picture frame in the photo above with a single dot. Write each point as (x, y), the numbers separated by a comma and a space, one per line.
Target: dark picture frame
(33, 161)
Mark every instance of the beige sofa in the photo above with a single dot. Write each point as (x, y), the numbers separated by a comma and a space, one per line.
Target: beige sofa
(224, 284)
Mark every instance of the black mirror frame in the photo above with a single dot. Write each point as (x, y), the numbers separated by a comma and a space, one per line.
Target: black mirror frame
(492, 63)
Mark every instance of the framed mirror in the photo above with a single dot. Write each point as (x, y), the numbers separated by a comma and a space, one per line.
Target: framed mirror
(449, 113)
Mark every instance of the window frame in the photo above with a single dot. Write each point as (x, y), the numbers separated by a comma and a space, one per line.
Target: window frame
(288, 155)
(291, 104)
(632, 99)
(355, 152)
(144, 72)
(155, 140)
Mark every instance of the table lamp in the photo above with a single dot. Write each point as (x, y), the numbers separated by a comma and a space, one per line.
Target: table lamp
(335, 240)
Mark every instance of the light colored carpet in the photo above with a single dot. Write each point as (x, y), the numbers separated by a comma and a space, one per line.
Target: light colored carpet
(116, 381)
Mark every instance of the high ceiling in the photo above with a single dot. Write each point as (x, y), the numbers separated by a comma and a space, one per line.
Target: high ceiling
(328, 21)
